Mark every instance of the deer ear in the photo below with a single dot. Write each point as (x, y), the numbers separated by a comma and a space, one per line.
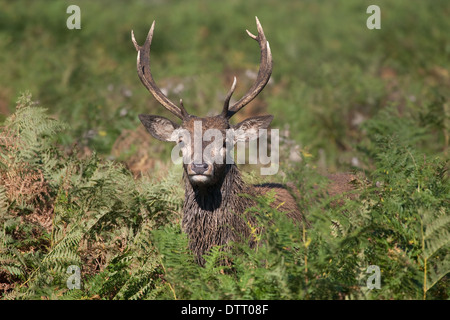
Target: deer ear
(159, 127)
(249, 128)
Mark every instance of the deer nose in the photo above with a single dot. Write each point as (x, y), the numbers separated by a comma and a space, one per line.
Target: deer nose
(199, 168)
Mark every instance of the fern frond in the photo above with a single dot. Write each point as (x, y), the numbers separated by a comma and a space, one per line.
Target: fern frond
(439, 270)
(3, 202)
(436, 231)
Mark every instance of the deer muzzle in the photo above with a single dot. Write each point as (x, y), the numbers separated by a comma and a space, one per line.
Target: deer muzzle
(200, 173)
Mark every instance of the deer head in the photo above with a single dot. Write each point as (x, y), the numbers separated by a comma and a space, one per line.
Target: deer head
(204, 142)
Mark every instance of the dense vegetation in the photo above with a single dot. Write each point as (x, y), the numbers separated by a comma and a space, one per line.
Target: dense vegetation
(81, 184)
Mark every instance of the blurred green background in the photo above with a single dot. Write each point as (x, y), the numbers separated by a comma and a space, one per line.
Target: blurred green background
(331, 73)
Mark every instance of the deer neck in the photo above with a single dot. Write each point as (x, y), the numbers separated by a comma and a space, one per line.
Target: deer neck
(217, 197)
(212, 215)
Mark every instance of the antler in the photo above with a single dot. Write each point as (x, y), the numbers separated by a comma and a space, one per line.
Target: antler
(144, 72)
(265, 70)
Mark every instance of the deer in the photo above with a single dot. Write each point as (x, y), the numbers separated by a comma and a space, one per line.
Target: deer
(214, 210)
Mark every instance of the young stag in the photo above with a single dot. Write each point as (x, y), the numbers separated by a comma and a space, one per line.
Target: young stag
(213, 206)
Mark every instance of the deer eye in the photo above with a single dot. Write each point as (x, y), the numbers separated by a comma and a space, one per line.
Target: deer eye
(181, 143)
(225, 142)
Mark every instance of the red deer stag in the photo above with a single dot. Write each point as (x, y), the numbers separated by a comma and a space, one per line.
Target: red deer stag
(213, 208)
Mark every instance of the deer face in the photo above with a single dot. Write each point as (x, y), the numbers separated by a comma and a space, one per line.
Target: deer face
(205, 142)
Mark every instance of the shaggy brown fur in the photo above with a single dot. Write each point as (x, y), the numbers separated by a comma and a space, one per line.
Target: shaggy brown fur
(213, 215)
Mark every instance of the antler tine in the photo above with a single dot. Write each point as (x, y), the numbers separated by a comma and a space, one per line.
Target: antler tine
(144, 72)
(228, 97)
(264, 73)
